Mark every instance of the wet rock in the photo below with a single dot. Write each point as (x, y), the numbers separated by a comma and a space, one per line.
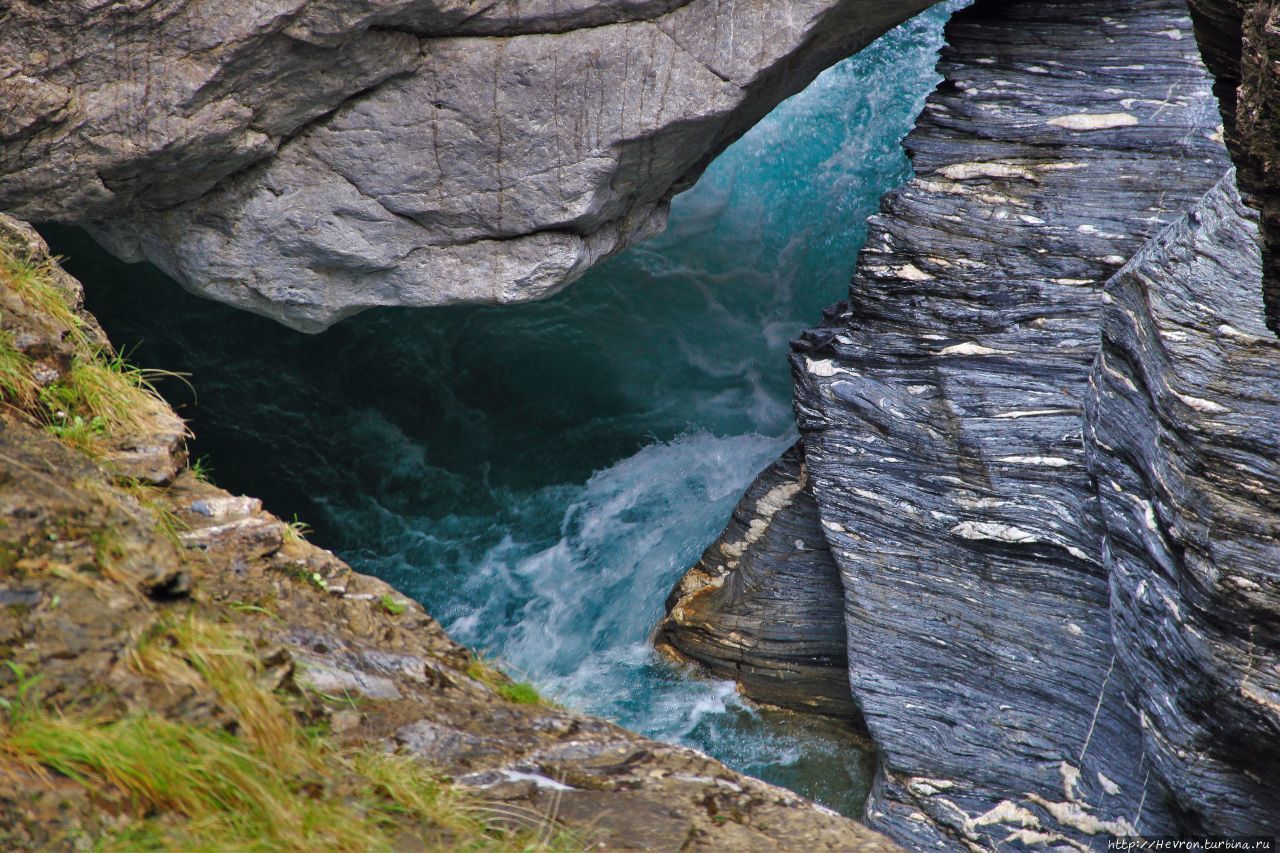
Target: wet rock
(764, 604)
(1182, 430)
(309, 159)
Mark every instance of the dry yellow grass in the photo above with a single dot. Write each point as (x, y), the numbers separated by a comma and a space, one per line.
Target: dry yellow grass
(266, 784)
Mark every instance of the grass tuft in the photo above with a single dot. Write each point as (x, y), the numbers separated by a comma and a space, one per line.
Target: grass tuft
(100, 396)
(392, 605)
(151, 498)
(17, 385)
(34, 283)
(519, 692)
(266, 783)
(295, 532)
(204, 655)
(202, 470)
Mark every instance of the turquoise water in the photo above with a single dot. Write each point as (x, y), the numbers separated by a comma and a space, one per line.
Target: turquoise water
(540, 475)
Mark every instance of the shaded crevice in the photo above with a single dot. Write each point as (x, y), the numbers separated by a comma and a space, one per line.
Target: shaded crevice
(1240, 43)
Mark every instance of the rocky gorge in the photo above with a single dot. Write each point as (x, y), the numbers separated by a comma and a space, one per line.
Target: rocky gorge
(1028, 538)
(141, 600)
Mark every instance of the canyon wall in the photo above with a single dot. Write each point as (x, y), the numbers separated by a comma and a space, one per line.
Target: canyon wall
(1060, 622)
(307, 159)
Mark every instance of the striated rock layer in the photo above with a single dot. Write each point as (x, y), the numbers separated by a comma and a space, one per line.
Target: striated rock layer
(764, 604)
(1002, 643)
(1182, 435)
(307, 159)
(941, 413)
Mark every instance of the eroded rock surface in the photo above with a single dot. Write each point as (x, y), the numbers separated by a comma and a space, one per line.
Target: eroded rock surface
(764, 605)
(307, 159)
(1182, 434)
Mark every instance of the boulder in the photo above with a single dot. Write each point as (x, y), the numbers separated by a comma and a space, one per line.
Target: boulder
(764, 604)
(308, 159)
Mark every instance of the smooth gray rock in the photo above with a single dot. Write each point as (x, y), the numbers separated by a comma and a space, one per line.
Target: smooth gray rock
(764, 604)
(307, 159)
(1183, 440)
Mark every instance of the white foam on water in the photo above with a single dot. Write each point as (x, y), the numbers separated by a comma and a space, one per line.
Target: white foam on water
(540, 475)
(625, 538)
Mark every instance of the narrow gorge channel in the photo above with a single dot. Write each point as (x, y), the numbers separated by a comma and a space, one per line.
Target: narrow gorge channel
(538, 476)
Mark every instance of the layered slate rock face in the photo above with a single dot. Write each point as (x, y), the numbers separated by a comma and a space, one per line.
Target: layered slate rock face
(941, 415)
(1183, 438)
(306, 159)
(764, 604)
(941, 412)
